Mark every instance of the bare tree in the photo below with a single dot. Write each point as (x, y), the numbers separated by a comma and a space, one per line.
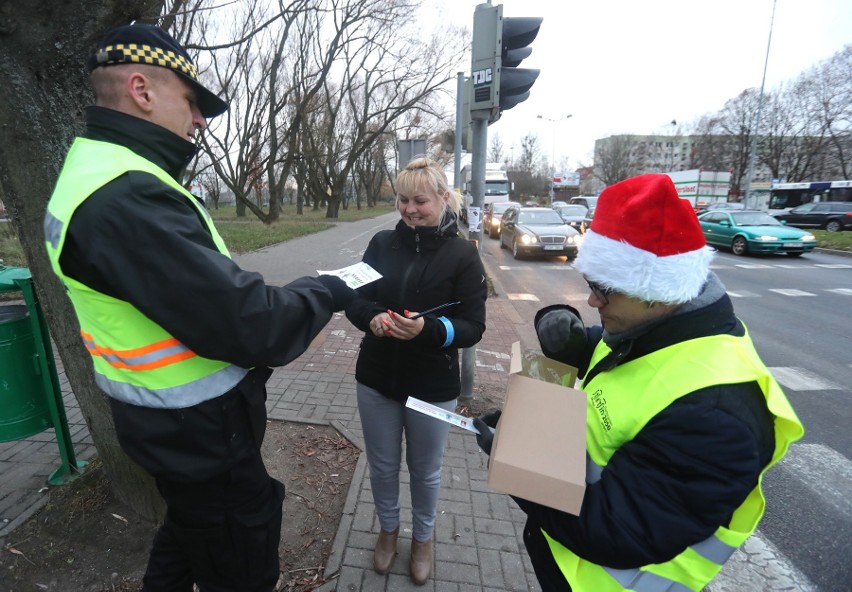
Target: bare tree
(383, 75)
(832, 97)
(528, 174)
(737, 122)
(617, 158)
(495, 149)
(791, 139)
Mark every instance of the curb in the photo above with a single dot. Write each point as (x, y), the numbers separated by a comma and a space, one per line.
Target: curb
(833, 252)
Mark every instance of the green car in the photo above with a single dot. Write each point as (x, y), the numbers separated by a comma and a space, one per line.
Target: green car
(754, 232)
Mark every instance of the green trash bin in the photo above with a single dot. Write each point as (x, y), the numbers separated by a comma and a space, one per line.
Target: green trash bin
(30, 395)
(24, 409)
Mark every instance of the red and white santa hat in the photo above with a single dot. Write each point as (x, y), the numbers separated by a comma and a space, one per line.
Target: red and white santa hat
(646, 242)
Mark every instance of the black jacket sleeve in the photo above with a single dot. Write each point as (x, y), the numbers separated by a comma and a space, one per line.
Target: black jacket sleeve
(681, 477)
(467, 318)
(140, 241)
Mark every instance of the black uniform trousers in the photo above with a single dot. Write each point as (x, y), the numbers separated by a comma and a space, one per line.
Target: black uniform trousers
(221, 534)
(224, 510)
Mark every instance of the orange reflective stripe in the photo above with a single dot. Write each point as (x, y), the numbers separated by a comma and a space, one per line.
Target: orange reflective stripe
(118, 358)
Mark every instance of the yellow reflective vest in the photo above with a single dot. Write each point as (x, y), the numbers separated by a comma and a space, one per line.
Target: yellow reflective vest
(622, 400)
(135, 360)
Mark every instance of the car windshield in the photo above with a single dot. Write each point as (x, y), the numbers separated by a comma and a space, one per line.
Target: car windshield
(754, 219)
(540, 217)
(573, 210)
(500, 208)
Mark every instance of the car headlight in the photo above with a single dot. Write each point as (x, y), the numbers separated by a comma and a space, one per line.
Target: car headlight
(529, 240)
(766, 237)
(808, 237)
(495, 222)
(570, 240)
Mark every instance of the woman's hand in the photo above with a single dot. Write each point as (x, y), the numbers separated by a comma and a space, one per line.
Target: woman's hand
(378, 326)
(401, 327)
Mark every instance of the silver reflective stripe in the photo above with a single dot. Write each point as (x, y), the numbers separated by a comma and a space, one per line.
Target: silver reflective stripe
(131, 361)
(52, 229)
(714, 549)
(177, 397)
(593, 470)
(644, 581)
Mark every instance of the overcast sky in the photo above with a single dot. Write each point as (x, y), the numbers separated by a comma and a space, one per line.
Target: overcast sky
(633, 66)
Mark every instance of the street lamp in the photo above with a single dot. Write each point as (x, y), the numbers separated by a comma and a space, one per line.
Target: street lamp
(554, 121)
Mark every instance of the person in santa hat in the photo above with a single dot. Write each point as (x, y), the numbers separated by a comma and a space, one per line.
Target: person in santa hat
(683, 417)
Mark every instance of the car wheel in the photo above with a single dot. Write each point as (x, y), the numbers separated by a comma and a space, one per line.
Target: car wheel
(516, 252)
(794, 254)
(833, 226)
(739, 246)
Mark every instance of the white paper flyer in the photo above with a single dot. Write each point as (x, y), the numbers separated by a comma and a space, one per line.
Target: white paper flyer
(356, 275)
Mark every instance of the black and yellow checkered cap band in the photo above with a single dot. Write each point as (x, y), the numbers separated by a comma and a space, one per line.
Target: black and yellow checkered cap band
(138, 53)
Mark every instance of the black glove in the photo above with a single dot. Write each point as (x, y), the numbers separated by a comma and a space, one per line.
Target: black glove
(560, 331)
(485, 437)
(341, 294)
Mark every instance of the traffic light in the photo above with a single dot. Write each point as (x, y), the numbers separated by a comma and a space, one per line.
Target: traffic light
(499, 46)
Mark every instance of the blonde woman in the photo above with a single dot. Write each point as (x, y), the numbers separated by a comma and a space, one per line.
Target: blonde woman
(424, 263)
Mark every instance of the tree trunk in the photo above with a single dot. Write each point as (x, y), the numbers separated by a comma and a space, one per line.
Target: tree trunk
(43, 47)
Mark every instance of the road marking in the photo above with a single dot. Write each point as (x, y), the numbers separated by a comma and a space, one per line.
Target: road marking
(743, 294)
(833, 265)
(843, 291)
(823, 470)
(526, 297)
(790, 292)
(758, 565)
(799, 379)
(753, 266)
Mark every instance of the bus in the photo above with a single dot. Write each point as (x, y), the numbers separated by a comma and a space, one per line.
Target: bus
(784, 196)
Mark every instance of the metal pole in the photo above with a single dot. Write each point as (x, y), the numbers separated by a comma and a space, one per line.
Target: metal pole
(457, 146)
(477, 189)
(756, 129)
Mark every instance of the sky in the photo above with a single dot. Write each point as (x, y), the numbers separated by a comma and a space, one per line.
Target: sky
(634, 66)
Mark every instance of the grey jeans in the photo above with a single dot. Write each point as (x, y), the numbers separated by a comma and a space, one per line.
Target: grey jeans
(383, 422)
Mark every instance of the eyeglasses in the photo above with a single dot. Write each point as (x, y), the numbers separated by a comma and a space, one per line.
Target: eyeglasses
(600, 292)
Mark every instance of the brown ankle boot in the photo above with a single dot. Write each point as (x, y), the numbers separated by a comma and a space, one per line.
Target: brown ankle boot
(385, 551)
(421, 561)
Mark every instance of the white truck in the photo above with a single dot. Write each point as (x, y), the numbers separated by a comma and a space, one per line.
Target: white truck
(702, 188)
(496, 185)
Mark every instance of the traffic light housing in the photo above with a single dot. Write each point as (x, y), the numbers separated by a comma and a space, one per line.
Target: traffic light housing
(499, 46)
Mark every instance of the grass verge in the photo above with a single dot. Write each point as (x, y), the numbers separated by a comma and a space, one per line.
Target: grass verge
(246, 234)
(840, 241)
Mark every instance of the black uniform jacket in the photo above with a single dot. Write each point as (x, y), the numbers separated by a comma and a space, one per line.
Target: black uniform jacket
(681, 477)
(421, 268)
(141, 241)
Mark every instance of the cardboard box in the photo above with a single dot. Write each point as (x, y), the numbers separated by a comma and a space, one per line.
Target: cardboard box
(539, 449)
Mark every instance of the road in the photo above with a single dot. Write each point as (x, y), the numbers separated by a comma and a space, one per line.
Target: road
(798, 313)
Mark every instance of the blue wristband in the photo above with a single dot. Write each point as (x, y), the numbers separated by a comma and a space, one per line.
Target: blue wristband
(450, 331)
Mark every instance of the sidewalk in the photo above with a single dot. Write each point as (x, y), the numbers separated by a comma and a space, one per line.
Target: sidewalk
(478, 536)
